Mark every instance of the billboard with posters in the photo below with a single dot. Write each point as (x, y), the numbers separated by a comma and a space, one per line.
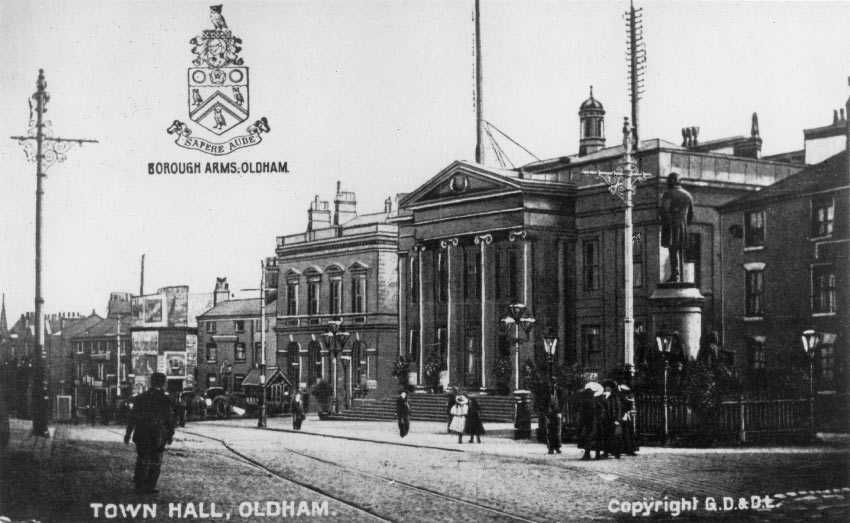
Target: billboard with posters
(191, 350)
(177, 305)
(145, 342)
(149, 311)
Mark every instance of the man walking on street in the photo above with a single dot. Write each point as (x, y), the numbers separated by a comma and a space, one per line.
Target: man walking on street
(402, 412)
(152, 427)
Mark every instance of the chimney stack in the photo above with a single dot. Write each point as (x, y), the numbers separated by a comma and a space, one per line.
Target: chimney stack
(222, 290)
(319, 215)
(345, 206)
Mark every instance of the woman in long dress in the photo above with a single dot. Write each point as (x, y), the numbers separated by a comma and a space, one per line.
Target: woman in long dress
(459, 412)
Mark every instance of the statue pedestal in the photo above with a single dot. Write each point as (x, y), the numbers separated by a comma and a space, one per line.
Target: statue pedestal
(678, 307)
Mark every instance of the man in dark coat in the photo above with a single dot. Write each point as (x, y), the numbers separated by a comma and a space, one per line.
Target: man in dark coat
(152, 427)
(402, 412)
(474, 425)
(676, 212)
(611, 422)
(554, 421)
(587, 429)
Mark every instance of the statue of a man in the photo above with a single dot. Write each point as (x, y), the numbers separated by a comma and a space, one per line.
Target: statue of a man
(676, 212)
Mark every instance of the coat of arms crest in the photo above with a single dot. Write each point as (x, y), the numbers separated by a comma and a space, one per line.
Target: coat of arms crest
(217, 91)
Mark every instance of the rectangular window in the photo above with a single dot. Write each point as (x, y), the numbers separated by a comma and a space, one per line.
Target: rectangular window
(239, 325)
(358, 293)
(823, 216)
(693, 253)
(79, 347)
(823, 289)
(827, 362)
(313, 297)
(754, 229)
(513, 274)
(591, 346)
(443, 276)
(754, 293)
(758, 356)
(414, 279)
(335, 296)
(255, 325)
(590, 265)
(637, 261)
(212, 352)
(210, 326)
(413, 345)
(258, 351)
(240, 351)
(291, 298)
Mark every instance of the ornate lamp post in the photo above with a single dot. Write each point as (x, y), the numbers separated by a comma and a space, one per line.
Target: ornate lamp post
(42, 148)
(261, 401)
(550, 342)
(664, 342)
(334, 341)
(810, 341)
(518, 317)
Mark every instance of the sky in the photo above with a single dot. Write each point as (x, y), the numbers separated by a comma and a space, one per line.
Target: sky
(375, 94)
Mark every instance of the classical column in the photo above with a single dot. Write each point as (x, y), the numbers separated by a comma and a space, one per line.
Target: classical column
(403, 268)
(527, 295)
(418, 249)
(452, 300)
(562, 301)
(487, 306)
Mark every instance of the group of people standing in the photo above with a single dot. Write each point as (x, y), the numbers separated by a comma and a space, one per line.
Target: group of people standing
(605, 424)
(465, 418)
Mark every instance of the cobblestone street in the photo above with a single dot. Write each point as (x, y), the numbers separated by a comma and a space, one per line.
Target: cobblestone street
(365, 472)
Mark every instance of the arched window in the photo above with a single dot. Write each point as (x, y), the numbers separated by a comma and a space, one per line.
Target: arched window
(314, 362)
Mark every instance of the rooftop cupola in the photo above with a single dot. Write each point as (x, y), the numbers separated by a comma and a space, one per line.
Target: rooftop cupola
(592, 119)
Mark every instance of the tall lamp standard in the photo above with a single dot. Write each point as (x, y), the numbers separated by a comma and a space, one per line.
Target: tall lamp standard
(334, 341)
(664, 342)
(550, 342)
(261, 402)
(810, 341)
(518, 317)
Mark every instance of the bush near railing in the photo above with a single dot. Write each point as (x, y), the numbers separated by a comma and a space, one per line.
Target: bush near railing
(738, 418)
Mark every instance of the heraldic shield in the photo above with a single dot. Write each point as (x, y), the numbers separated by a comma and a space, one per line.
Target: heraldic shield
(218, 97)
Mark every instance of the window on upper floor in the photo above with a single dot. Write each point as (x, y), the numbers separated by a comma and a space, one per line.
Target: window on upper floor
(754, 229)
(754, 293)
(240, 351)
(823, 216)
(212, 352)
(335, 295)
(358, 293)
(313, 288)
(210, 326)
(239, 325)
(590, 265)
(257, 355)
(292, 297)
(823, 289)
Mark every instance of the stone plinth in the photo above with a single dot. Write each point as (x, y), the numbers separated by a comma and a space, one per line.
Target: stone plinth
(678, 307)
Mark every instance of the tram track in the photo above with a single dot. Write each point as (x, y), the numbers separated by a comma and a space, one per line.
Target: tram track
(383, 481)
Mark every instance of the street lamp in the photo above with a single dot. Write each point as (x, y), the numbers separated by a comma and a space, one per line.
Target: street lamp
(810, 341)
(664, 342)
(518, 317)
(550, 342)
(261, 402)
(334, 341)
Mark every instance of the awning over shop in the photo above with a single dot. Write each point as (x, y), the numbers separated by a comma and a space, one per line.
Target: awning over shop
(273, 376)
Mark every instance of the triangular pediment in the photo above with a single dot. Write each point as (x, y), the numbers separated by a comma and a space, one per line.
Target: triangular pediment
(462, 180)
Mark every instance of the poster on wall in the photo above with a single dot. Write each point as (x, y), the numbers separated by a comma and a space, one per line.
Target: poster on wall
(175, 364)
(145, 342)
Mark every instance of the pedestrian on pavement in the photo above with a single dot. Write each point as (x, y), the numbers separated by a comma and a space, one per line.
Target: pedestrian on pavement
(297, 411)
(474, 426)
(612, 415)
(554, 421)
(630, 446)
(587, 430)
(402, 412)
(152, 427)
(449, 404)
(459, 413)
(92, 415)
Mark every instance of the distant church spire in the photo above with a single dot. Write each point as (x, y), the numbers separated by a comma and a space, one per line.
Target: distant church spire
(4, 327)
